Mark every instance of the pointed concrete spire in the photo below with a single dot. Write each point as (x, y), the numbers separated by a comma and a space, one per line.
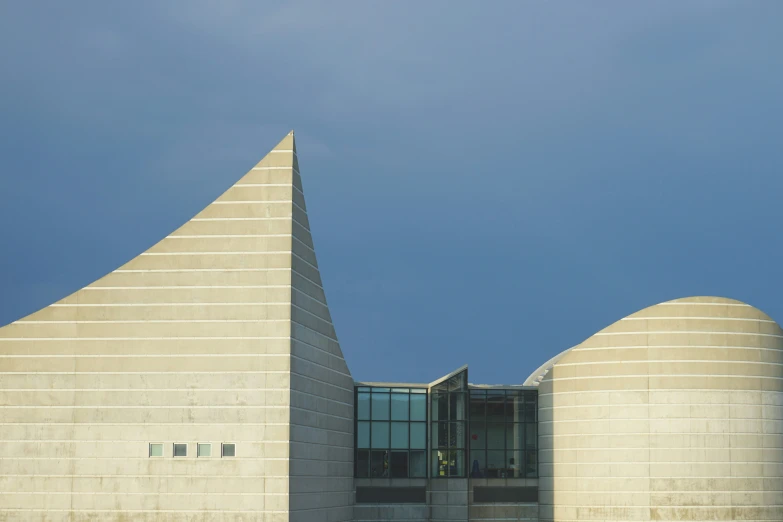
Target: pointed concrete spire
(283, 155)
(221, 326)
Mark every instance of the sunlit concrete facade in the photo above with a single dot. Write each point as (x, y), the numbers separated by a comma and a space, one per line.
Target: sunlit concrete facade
(673, 413)
(218, 342)
(220, 333)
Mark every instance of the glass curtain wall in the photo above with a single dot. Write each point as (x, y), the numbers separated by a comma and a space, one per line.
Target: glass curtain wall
(503, 433)
(448, 426)
(391, 432)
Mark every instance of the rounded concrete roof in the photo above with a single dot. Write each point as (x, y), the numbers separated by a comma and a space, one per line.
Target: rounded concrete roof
(540, 373)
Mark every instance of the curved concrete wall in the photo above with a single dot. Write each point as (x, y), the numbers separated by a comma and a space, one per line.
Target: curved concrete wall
(673, 413)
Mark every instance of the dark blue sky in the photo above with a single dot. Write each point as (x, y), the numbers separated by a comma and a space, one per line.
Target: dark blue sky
(489, 183)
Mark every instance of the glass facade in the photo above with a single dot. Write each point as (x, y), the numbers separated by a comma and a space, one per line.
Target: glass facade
(391, 432)
(448, 426)
(480, 433)
(503, 433)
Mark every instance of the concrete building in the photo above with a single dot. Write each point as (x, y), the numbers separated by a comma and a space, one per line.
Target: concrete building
(203, 381)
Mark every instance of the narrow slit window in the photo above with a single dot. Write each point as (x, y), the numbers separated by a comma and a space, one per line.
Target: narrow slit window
(180, 450)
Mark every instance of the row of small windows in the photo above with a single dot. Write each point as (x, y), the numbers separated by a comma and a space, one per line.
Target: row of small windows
(203, 449)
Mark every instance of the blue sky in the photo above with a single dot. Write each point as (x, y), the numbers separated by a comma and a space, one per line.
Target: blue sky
(489, 183)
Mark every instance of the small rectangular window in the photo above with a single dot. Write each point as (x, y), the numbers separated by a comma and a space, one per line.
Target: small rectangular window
(156, 449)
(180, 450)
(204, 450)
(229, 450)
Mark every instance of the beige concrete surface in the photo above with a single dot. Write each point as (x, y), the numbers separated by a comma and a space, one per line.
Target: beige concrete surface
(673, 413)
(218, 333)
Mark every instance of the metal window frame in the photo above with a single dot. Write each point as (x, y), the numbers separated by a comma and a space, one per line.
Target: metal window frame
(527, 396)
(371, 390)
(465, 449)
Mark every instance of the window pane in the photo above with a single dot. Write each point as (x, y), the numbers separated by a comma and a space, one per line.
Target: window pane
(156, 450)
(456, 463)
(229, 450)
(457, 406)
(204, 450)
(399, 435)
(530, 412)
(531, 436)
(363, 406)
(496, 464)
(380, 434)
(418, 407)
(496, 436)
(478, 406)
(440, 434)
(418, 464)
(399, 464)
(478, 435)
(399, 406)
(514, 403)
(362, 463)
(531, 464)
(515, 436)
(519, 412)
(514, 463)
(509, 405)
(379, 464)
(479, 463)
(180, 450)
(443, 407)
(456, 434)
(459, 381)
(496, 406)
(380, 406)
(362, 434)
(438, 464)
(448, 463)
(419, 435)
(418, 390)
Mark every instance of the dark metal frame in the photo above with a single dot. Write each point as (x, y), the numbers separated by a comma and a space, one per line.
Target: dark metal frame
(409, 422)
(524, 450)
(464, 389)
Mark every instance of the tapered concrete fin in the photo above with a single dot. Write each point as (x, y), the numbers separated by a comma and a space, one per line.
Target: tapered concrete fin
(282, 155)
(220, 326)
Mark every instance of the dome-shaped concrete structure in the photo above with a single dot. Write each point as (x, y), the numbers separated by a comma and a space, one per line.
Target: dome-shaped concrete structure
(672, 413)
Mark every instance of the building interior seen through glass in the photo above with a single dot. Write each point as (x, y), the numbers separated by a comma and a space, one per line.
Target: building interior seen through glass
(391, 432)
(448, 424)
(481, 433)
(503, 433)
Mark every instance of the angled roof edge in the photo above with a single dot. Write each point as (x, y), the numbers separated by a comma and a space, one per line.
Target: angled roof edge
(449, 376)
